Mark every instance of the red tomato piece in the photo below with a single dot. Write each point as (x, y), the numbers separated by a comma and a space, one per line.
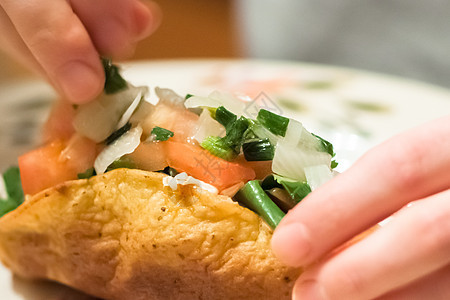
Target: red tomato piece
(55, 163)
(59, 123)
(202, 165)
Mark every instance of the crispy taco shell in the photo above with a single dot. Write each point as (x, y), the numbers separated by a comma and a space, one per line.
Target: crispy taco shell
(123, 235)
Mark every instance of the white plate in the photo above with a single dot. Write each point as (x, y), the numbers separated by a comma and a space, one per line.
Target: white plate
(354, 110)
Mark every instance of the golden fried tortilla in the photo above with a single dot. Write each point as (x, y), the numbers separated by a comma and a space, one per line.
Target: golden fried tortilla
(123, 235)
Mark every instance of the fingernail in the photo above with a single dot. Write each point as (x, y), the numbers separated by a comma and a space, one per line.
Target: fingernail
(308, 289)
(79, 82)
(291, 244)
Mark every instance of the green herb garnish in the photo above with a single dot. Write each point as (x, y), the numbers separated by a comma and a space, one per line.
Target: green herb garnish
(275, 123)
(14, 191)
(114, 82)
(161, 134)
(258, 150)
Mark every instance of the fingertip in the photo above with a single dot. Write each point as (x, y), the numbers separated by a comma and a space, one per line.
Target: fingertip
(308, 289)
(291, 244)
(79, 81)
(147, 18)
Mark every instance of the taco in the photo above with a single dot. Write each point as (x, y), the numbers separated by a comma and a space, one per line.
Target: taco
(129, 199)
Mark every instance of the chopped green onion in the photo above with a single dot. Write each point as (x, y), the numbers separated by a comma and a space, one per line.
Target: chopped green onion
(275, 123)
(224, 116)
(188, 96)
(117, 134)
(270, 182)
(123, 162)
(235, 134)
(87, 174)
(253, 197)
(113, 80)
(229, 146)
(297, 190)
(161, 134)
(259, 150)
(169, 171)
(216, 146)
(328, 148)
(326, 145)
(14, 191)
(282, 199)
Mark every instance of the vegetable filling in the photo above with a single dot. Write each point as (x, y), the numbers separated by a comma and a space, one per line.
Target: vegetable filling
(268, 164)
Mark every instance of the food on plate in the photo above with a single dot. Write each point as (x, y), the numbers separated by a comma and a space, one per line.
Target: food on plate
(132, 199)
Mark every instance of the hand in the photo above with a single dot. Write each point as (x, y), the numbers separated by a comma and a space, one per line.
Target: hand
(63, 39)
(409, 257)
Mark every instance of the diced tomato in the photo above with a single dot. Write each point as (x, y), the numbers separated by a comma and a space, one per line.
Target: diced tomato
(178, 120)
(80, 153)
(261, 168)
(202, 165)
(59, 123)
(55, 163)
(149, 157)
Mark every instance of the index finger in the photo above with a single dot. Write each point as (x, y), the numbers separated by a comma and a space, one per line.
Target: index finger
(60, 44)
(407, 167)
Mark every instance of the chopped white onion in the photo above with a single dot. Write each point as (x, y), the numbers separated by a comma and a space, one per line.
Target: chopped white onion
(318, 175)
(3, 191)
(216, 99)
(207, 126)
(169, 96)
(185, 179)
(290, 161)
(264, 133)
(130, 110)
(293, 133)
(99, 118)
(297, 136)
(125, 144)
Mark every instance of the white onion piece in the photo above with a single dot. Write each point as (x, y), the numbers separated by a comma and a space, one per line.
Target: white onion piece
(207, 126)
(317, 175)
(216, 99)
(264, 133)
(125, 144)
(3, 191)
(169, 96)
(198, 101)
(130, 110)
(185, 179)
(98, 119)
(297, 136)
(290, 161)
(293, 133)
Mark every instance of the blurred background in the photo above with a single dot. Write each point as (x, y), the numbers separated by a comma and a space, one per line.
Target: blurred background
(407, 38)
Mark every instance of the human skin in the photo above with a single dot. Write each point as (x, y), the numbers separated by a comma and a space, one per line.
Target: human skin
(63, 39)
(408, 257)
